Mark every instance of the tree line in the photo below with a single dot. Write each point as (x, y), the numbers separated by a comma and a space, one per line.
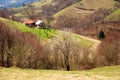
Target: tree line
(25, 50)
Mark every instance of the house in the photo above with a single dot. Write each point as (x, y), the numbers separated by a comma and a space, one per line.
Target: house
(29, 22)
(38, 23)
(33, 23)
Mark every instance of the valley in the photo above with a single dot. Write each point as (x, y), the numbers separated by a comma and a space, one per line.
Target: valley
(60, 40)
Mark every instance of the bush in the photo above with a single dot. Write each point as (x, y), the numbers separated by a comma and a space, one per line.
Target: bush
(109, 50)
(19, 49)
(101, 35)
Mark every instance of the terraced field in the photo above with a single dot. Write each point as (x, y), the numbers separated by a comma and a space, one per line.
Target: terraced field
(86, 7)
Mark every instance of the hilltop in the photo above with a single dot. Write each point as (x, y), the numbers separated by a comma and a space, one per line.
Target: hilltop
(73, 7)
(45, 7)
(86, 7)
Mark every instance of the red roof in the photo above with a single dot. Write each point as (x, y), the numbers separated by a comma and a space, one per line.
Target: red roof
(28, 21)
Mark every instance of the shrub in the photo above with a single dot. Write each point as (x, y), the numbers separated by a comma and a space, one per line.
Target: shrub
(109, 50)
(19, 49)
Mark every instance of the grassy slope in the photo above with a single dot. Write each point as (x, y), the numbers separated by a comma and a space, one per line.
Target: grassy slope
(42, 3)
(43, 33)
(72, 11)
(86, 4)
(21, 13)
(105, 73)
(96, 4)
(114, 16)
(48, 34)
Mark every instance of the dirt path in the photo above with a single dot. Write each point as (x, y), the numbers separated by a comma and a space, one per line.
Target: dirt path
(96, 42)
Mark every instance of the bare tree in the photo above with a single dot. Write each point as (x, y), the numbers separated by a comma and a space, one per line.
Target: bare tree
(67, 47)
(29, 11)
(108, 50)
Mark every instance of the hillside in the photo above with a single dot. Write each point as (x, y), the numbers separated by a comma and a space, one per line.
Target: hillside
(85, 7)
(42, 3)
(14, 3)
(93, 4)
(72, 11)
(51, 41)
(45, 7)
(113, 17)
(50, 33)
(42, 33)
(105, 73)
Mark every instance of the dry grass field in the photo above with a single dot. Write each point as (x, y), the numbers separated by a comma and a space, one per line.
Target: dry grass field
(105, 73)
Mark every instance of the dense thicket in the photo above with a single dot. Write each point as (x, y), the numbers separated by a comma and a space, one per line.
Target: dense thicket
(18, 49)
(109, 50)
(24, 50)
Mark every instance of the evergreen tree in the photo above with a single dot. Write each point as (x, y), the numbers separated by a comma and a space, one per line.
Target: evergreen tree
(101, 35)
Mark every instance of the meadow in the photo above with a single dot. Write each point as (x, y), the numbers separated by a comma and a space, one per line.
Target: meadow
(104, 73)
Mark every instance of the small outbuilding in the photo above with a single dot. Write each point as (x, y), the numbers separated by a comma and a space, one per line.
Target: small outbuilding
(29, 22)
(38, 23)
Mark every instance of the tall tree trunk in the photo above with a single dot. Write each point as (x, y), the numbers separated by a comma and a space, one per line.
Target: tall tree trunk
(2, 54)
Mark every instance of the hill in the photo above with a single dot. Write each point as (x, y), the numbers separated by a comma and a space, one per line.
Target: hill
(105, 73)
(113, 17)
(50, 39)
(14, 3)
(85, 7)
(45, 7)
(42, 3)
(46, 34)
(42, 33)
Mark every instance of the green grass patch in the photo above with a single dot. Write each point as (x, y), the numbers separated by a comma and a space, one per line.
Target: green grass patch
(42, 33)
(109, 71)
(19, 15)
(113, 17)
(117, 12)
(83, 42)
(41, 3)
